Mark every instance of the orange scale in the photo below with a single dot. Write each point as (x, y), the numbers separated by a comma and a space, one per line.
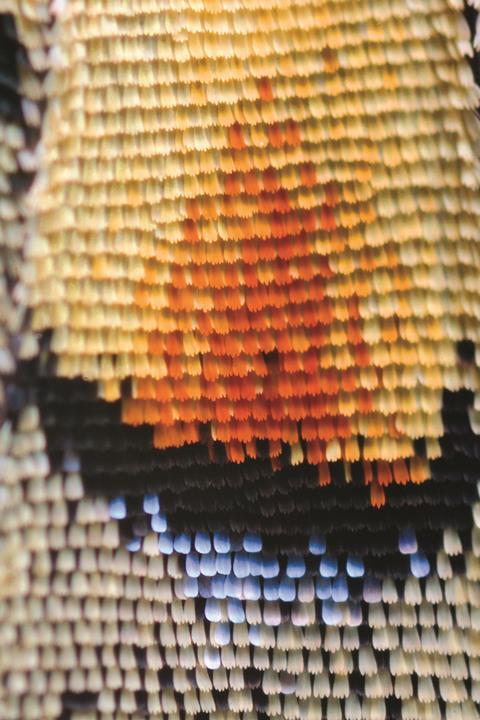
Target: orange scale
(293, 134)
(167, 437)
(191, 432)
(251, 183)
(175, 366)
(229, 206)
(278, 319)
(173, 343)
(286, 249)
(193, 209)
(319, 335)
(367, 213)
(291, 362)
(308, 175)
(354, 334)
(204, 323)
(331, 60)
(308, 220)
(400, 472)
(222, 432)
(217, 345)
(276, 137)
(344, 427)
(267, 341)
(289, 432)
(142, 296)
(213, 391)
(277, 408)
(210, 368)
(238, 320)
(332, 195)
(216, 277)
(362, 355)
(276, 295)
(281, 201)
(248, 228)
(281, 272)
(326, 429)
(278, 225)
(248, 386)
(377, 495)
(419, 469)
(376, 425)
(266, 202)
(384, 473)
(300, 384)
(324, 477)
(199, 276)
(249, 343)
(233, 345)
(296, 408)
(243, 430)
(231, 184)
(330, 382)
(299, 292)
(313, 384)
(133, 411)
(190, 231)
(235, 451)
(232, 277)
(327, 218)
(241, 411)
(274, 429)
(315, 452)
(259, 321)
(270, 179)
(310, 315)
(212, 253)
(235, 137)
(367, 472)
(163, 390)
(265, 91)
(267, 250)
(251, 449)
(295, 319)
(222, 410)
(348, 380)
(284, 344)
(256, 298)
(275, 450)
(284, 386)
(310, 361)
(242, 161)
(261, 227)
(365, 401)
(309, 429)
(259, 409)
(250, 277)
(156, 412)
(259, 366)
(300, 340)
(156, 344)
(178, 277)
(233, 388)
(306, 268)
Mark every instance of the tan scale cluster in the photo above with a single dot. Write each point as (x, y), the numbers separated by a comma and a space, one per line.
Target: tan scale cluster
(265, 215)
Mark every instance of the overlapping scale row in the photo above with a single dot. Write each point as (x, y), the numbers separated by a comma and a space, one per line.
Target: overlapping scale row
(264, 216)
